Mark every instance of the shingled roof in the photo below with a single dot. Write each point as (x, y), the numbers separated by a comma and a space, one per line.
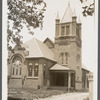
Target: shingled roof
(38, 49)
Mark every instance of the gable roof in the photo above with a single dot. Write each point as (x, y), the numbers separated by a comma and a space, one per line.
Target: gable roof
(49, 40)
(67, 15)
(38, 49)
(59, 67)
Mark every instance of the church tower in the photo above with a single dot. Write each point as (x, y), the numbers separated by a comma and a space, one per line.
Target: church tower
(68, 43)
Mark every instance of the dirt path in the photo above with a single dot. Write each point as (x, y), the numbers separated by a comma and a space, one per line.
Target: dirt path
(67, 96)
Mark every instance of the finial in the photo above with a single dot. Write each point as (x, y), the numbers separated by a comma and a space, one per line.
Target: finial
(57, 15)
(69, 3)
(74, 13)
(79, 20)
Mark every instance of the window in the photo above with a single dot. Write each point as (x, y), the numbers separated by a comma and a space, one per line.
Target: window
(44, 70)
(13, 70)
(66, 57)
(62, 30)
(16, 71)
(20, 71)
(61, 57)
(33, 70)
(30, 68)
(30, 71)
(77, 32)
(67, 30)
(36, 68)
(16, 66)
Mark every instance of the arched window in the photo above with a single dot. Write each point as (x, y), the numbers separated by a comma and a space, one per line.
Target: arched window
(61, 58)
(30, 69)
(36, 69)
(66, 57)
(16, 66)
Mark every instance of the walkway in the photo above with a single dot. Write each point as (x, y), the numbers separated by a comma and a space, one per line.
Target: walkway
(68, 96)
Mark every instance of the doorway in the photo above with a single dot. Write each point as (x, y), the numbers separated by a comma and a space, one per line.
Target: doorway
(59, 79)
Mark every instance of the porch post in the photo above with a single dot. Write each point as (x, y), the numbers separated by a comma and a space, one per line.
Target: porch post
(69, 81)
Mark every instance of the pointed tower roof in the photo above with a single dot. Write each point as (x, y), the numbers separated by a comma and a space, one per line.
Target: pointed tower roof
(57, 16)
(67, 15)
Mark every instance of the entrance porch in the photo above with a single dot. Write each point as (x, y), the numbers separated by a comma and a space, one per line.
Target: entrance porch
(63, 78)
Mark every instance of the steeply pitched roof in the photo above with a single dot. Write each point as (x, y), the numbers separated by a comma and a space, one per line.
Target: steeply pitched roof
(67, 15)
(59, 67)
(37, 48)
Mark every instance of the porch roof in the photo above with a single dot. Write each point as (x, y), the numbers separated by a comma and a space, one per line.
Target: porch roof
(59, 67)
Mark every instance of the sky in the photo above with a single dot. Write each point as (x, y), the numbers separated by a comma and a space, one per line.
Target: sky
(89, 37)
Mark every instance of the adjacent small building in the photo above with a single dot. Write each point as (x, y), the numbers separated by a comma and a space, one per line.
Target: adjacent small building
(49, 64)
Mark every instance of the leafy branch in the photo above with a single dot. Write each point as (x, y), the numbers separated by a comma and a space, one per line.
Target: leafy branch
(21, 13)
(87, 10)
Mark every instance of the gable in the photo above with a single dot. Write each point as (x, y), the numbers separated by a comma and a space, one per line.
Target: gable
(49, 43)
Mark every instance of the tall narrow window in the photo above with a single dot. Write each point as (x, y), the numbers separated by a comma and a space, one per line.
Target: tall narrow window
(44, 70)
(30, 71)
(62, 30)
(13, 70)
(61, 58)
(16, 71)
(16, 65)
(67, 30)
(77, 31)
(20, 71)
(66, 57)
(36, 68)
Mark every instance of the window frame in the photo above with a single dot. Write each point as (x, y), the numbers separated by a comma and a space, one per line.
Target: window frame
(16, 67)
(67, 31)
(36, 72)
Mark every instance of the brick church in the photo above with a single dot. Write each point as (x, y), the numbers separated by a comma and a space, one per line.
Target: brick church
(49, 64)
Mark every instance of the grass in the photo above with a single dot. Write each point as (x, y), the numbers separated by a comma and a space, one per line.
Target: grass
(30, 94)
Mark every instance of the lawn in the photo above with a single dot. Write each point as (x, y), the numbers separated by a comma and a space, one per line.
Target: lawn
(30, 94)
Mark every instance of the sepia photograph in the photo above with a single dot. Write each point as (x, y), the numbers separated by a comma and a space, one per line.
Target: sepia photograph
(50, 50)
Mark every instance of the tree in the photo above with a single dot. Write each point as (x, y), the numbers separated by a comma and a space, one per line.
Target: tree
(87, 10)
(21, 13)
